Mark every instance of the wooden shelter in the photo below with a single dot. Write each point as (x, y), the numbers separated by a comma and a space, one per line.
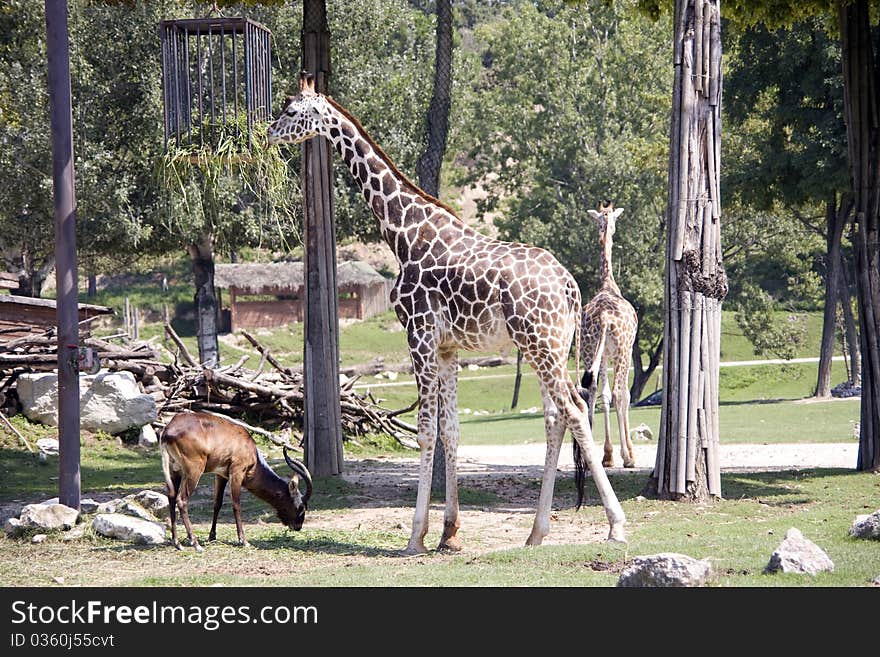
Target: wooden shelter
(21, 316)
(267, 295)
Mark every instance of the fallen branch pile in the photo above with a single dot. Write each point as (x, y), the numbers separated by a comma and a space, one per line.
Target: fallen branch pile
(269, 396)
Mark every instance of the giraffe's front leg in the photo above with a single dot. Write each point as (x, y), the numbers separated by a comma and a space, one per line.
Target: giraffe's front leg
(449, 434)
(424, 356)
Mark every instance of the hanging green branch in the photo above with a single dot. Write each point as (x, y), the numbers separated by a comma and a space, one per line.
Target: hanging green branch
(241, 190)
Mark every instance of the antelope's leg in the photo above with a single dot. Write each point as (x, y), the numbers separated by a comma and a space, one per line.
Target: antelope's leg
(235, 494)
(219, 489)
(172, 507)
(188, 486)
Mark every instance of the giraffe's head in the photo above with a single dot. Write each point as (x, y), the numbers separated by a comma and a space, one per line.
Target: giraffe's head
(606, 218)
(301, 117)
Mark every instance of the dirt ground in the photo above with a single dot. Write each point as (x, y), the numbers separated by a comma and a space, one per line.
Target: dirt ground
(510, 476)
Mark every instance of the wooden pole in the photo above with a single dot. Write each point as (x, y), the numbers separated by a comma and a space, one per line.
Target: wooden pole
(58, 53)
(322, 413)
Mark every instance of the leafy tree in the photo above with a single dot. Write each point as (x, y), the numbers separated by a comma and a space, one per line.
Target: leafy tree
(571, 107)
(860, 103)
(784, 89)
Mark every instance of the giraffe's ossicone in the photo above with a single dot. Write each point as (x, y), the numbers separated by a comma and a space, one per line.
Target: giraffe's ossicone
(458, 289)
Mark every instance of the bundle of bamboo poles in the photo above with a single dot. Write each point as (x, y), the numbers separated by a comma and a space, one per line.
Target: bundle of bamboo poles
(695, 285)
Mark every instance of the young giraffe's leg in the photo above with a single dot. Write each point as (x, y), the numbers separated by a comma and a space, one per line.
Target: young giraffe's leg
(621, 405)
(554, 428)
(562, 391)
(423, 349)
(449, 433)
(608, 455)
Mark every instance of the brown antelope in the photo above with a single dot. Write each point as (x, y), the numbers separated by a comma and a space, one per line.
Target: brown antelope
(195, 443)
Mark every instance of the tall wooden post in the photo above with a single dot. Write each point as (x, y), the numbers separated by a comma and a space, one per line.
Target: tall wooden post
(863, 139)
(687, 452)
(322, 416)
(58, 51)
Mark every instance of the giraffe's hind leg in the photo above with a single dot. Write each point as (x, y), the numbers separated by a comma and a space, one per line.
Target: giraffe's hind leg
(608, 447)
(554, 426)
(621, 405)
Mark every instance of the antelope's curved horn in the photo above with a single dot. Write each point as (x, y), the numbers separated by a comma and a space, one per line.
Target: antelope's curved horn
(299, 468)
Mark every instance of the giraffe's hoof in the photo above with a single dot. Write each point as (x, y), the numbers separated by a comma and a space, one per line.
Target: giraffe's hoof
(607, 463)
(617, 535)
(199, 548)
(629, 464)
(244, 544)
(212, 537)
(414, 549)
(451, 544)
(178, 546)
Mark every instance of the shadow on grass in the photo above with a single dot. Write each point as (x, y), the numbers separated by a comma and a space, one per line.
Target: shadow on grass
(103, 468)
(324, 545)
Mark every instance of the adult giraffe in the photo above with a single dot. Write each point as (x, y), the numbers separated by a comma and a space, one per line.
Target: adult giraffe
(608, 325)
(458, 289)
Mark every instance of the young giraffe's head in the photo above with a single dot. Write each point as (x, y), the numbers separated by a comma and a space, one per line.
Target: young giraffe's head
(301, 117)
(606, 218)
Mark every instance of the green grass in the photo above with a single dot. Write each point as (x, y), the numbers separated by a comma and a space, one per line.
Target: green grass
(736, 534)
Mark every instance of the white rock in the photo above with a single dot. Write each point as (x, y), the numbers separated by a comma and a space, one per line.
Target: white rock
(48, 445)
(642, 432)
(111, 506)
(109, 401)
(155, 503)
(39, 538)
(148, 437)
(74, 533)
(127, 528)
(797, 554)
(135, 510)
(13, 527)
(666, 569)
(46, 516)
(473, 367)
(391, 376)
(343, 379)
(866, 526)
(88, 505)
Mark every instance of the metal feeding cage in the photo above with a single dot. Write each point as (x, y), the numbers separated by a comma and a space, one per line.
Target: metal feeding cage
(216, 80)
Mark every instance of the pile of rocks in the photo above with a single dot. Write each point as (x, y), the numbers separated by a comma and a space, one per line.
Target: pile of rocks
(137, 518)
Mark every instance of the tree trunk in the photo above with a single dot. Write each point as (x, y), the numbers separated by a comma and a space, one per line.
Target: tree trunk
(835, 222)
(202, 256)
(851, 334)
(428, 166)
(641, 374)
(92, 289)
(860, 111)
(322, 414)
(33, 275)
(687, 465)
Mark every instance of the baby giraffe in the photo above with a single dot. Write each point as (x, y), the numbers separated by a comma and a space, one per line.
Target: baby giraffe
(609, 324)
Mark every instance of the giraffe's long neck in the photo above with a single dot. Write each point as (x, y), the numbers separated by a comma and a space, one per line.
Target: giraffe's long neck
(606, 273)
(398, 204)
